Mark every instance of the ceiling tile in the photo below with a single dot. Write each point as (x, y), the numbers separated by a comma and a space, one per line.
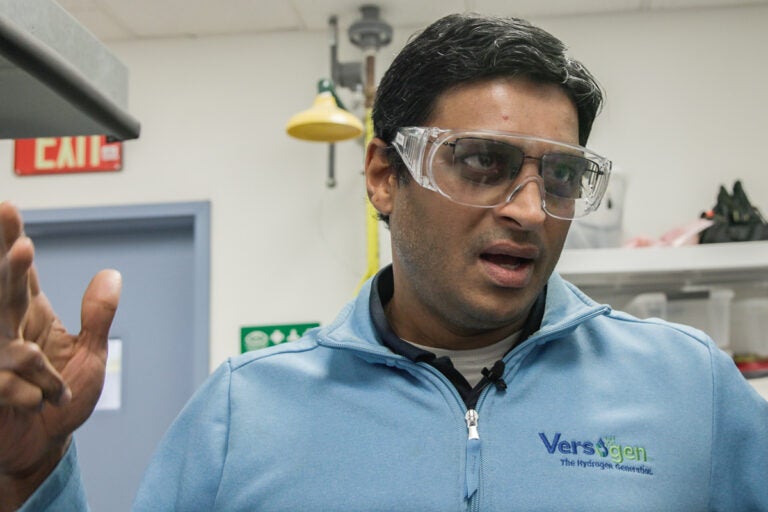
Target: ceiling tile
(202, 17)
(536, 8)
(398, 13)
(677, 4)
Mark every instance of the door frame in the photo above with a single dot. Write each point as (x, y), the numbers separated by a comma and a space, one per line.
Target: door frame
(137, 218)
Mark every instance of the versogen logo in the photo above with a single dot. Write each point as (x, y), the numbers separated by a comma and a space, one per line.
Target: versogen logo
(604, 447)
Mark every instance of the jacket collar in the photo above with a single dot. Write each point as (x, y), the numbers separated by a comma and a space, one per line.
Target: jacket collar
(363, 325)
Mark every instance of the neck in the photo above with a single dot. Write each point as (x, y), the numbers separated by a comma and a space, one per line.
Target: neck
(430, 330)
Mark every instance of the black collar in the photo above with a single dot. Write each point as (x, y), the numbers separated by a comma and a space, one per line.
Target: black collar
(383, 288)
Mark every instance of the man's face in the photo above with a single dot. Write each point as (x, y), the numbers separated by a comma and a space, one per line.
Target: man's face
(466, 277)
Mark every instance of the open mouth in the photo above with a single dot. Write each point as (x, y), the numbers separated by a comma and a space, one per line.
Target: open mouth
(507, 267)
(505, 260)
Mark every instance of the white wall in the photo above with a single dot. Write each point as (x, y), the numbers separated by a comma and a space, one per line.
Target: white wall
(686, 112)
(686, 106)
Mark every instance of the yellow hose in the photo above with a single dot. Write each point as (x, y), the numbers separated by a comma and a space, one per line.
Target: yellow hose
(371, 218)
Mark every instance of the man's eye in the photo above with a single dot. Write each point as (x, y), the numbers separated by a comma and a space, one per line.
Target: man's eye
(564, 168)
(482, 161)
(485, 168)
(564, 172)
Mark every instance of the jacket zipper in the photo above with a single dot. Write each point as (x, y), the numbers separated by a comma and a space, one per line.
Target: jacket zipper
(473, 464)
(472, 476)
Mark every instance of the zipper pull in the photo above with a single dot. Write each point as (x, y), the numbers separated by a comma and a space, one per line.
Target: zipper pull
(472, 418)
(473, 454)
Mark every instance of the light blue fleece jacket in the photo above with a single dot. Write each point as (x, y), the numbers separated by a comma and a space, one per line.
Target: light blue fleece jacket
(602, 411)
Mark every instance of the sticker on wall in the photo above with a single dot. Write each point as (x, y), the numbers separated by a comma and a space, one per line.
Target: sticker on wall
(261, 336)
(111, 394)
(66, 155)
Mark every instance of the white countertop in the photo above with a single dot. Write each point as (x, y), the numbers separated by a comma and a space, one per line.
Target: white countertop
(761, 385)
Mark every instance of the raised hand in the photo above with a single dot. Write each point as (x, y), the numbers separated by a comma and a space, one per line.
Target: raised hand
(50, 380)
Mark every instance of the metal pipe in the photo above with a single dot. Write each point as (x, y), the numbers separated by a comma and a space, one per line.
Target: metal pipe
(331, 181)
(333, 23)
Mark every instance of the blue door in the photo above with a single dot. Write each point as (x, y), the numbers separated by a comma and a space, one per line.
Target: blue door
(161, 324)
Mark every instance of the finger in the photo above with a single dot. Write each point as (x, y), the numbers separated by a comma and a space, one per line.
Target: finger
(19, 258)
(26, 360)
(34, 282)
(14, 288)
(10, 225)
(16, 392)
(40, 318)
(98, 310)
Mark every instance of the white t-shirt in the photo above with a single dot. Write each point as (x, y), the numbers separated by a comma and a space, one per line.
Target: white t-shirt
(471, 362)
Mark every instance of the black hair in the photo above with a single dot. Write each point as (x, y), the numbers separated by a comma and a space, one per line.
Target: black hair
(460, 49)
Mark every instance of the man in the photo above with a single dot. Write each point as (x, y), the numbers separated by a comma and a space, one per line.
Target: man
(465, 376)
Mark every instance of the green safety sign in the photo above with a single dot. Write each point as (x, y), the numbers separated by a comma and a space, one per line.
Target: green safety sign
(260, 336)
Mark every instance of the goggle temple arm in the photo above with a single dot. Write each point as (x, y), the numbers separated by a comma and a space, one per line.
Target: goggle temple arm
(411, 145)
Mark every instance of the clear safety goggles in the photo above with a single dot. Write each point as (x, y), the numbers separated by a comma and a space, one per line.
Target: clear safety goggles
(482, 168)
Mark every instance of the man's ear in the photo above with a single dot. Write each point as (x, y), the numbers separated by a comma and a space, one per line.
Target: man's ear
(380, 177)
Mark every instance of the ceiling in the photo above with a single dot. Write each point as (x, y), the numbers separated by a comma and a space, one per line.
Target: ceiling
(112, 20)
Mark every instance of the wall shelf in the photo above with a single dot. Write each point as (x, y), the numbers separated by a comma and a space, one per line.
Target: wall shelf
(623, 270)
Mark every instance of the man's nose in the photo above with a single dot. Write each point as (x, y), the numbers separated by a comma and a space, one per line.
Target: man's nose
(525, 204)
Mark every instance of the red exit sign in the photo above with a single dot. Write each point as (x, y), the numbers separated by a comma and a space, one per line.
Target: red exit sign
(64, 155)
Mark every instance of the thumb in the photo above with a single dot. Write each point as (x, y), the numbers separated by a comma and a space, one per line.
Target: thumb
(99, 306)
